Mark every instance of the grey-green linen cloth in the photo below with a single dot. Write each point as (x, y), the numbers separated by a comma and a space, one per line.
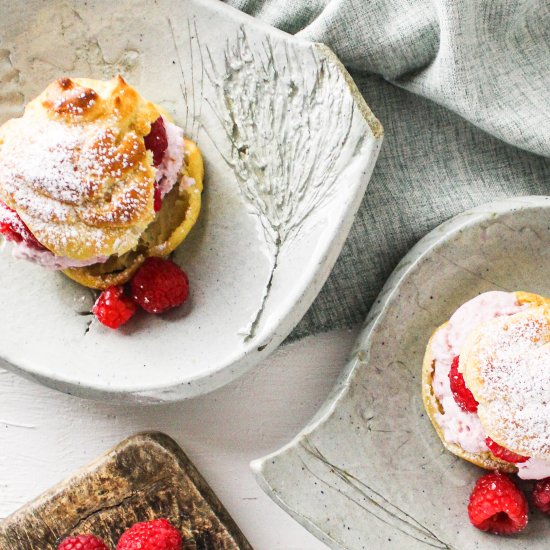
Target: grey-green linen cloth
(462, 88)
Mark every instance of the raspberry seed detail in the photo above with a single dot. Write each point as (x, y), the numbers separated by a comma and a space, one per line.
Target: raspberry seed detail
(158, 534)
(159, 285)
(503, 453)
(156, 141)
(497, 505)
(464, 398)
(113, 308)
(541, 495)
(82, 542)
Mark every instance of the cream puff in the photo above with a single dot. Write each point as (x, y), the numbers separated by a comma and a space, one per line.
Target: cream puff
(486, 383)
(94, 179)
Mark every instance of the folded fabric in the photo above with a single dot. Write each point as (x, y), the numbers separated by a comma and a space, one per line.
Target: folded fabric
(462, 89)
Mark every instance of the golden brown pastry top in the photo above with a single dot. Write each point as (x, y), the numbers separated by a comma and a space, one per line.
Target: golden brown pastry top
(76, 170)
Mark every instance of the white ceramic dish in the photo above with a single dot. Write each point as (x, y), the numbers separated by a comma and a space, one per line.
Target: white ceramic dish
(369, 471)
(289, 145)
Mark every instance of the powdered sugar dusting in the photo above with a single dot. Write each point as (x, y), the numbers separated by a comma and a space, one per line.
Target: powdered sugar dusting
(43, 162)
(76, 170)
(69, 180)
(514, 366)
(75, 108)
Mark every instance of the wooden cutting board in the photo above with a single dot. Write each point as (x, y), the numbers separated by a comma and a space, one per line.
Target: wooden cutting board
(145, 477)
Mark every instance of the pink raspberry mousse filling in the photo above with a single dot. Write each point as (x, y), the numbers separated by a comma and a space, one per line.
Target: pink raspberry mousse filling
(458, 426)
(168, 170)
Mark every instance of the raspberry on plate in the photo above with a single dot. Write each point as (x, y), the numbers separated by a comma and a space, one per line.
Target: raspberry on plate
(82, 542)
(156, 141)
(159, 285)
(158, 534)
(14, 228)
(503, 453)
(113, 308)
(497, 505)
(541, 495)
(463, 396)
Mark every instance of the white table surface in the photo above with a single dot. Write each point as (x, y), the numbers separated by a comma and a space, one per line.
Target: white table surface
(46, 435)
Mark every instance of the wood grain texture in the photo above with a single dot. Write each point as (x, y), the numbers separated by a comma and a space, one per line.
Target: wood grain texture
(146, 476)
(45, 435)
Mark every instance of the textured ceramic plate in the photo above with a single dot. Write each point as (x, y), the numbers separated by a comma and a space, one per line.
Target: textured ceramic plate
(289, 146)
(369, 471)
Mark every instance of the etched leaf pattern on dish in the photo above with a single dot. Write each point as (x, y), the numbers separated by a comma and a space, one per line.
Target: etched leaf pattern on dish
(287, 120)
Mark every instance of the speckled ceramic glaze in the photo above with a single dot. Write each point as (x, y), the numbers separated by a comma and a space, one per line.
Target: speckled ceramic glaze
(289, 146)
(369, 471)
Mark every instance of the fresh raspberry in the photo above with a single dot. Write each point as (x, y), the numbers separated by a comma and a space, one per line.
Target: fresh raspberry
(113, 308)
(158, 534)
(14, 228)
(159, 285)
(158, 197)
(157, 141)
(463, 396)
(541, 495)
(503, 453)
(82, 542)
(497, 505)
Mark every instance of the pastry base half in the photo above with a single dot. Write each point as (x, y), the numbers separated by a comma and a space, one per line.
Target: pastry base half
(432, 405)
(179, 212)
